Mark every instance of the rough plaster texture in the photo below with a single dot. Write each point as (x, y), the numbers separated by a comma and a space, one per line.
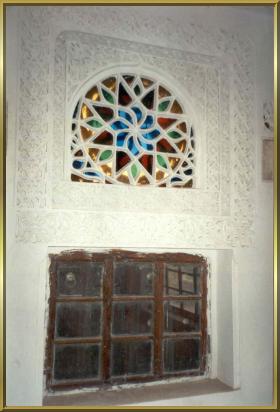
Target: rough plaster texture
(231, 209)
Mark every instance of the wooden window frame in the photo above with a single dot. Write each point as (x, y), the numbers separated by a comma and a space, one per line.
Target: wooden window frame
(107, 298)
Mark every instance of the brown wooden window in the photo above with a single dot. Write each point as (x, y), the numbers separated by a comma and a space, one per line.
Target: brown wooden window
(123, 316)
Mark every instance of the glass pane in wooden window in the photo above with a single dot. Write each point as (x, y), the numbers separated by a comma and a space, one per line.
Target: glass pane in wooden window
(182, 316)
(133, 278)
(79, 361)
(181, 354)
(79, 278)
(131, 358)
(132, 318)
(78, 319)
(182, 279)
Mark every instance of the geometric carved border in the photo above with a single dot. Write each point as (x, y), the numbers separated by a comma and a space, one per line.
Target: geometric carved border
(101, 229)
(217, 214)
(197, 79)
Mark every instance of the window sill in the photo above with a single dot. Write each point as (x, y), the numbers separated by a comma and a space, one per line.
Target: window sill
(134, 395)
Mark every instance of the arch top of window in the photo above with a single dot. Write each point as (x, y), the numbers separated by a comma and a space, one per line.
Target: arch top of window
(130, 128)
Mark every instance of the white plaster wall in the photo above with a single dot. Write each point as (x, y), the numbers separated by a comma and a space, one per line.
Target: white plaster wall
(225, 288)
(27, 263)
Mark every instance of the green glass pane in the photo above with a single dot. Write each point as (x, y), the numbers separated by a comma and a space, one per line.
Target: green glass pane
(106, 154)
(108, 96)
(94, 123)
(174, 135)
(134, 171)
(163, 106)
(137, 90)
(161, 161)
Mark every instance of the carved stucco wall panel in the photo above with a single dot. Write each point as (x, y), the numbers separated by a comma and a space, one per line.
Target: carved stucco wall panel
(218, 214)
(122, 229)
(225, 147)
(120, 198)
(189, 74)
(32, 113)
(212, 130)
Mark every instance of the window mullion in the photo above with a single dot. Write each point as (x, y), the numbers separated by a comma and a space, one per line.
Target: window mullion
(158, 319)
(107, 314)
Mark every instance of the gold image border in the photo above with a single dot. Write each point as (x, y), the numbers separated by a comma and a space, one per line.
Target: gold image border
(3, 5)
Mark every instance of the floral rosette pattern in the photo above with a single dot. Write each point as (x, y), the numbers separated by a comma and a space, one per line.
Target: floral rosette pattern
(130, 129)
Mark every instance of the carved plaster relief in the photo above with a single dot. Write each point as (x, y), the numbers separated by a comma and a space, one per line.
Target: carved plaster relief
(220, 86)
(195, 74)
(123, 230)
(189, 73)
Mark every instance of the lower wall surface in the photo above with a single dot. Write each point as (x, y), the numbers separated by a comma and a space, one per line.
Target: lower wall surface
(26, 331)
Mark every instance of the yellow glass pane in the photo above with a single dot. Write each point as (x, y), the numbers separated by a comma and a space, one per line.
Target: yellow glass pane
(110, 83)
(93, 153)
(162, 92)
(160, 174)
(76, 178)
(107, 169)
(182, 126)
(93, 94)
(86, 112)
(129, 79)
(78, 153)
(146, 82)
(176, 108)
(143, 179)
(86, 133)
(188, 184)
(173, 161)
(123, 177)
(182, 145)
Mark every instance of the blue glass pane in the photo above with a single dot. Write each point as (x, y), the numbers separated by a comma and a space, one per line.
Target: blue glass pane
(148, 122)
(95, 174)
(145, 145)
(121, 138)
(118, 125)
(176, 179)
(138, 113)
(132, 147)
(77, 164)
(152, 135)
(125, 116)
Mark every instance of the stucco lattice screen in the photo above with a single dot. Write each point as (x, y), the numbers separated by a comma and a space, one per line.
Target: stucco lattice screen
(132, 129)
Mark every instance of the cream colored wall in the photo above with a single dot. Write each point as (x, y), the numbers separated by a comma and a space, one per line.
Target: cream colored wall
(247, 313)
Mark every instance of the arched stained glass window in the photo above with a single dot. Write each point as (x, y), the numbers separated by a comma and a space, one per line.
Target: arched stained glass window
(132, 129)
